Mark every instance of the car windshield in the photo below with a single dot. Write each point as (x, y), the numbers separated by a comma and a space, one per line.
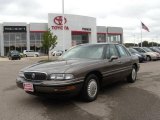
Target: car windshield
(133, 50)
(147, 49)
(156, 49)
(15, 52)
(140, 50)
(84, 52)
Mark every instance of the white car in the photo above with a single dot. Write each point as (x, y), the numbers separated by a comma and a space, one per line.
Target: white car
(30, 53)
(57, 53)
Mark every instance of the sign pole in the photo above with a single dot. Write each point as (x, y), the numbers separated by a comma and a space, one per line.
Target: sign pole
(63, 21)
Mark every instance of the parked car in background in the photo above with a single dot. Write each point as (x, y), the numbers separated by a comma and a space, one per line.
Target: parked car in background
(57, 53)
(83, 70)
(155, 49)
(14, 55)
(141, 56)
(149, 50)
(30, 53)
(149, 55)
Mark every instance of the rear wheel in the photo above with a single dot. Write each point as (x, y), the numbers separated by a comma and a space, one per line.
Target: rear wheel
(90, 88)
(133, 75)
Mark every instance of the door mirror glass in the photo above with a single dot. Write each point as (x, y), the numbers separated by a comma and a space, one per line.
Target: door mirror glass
(113, 58)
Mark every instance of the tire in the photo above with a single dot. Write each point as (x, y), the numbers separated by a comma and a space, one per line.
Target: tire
(90, 88)
(148, 58)
(133, 75)
(25, 55)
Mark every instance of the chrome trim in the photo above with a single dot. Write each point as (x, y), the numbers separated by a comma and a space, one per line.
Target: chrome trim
(124, 68)
(52, 82)
(36, 72)
(115, 72)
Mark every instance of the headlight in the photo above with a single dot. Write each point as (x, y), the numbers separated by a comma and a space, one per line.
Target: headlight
(61, 76)
(21, 74)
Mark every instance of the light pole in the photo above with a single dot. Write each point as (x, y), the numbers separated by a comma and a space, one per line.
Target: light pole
(157, 40)
(134, 39)
(152, 42)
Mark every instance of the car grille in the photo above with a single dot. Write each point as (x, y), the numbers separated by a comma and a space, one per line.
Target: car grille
(15, 55)
(35, 76)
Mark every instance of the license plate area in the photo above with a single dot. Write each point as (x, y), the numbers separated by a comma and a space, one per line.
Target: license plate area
(28, 87)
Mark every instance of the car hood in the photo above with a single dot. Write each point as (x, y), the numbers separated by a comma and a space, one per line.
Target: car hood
(151, 53)
(59, 66)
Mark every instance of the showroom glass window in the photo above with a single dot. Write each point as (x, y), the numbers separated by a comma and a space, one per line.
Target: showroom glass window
(101, 38)
(14, 41)
(35, 40)
(114, 38)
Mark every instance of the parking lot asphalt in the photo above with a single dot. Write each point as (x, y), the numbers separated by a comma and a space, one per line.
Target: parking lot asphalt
(120, 101)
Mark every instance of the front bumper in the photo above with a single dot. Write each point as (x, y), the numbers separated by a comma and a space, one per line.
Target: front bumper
(141, 59)
(52, 88)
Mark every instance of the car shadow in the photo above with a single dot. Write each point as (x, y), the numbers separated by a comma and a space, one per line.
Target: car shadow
(65, 100)
(71, 107)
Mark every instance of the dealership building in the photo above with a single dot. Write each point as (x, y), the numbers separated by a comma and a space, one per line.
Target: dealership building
(77, 30)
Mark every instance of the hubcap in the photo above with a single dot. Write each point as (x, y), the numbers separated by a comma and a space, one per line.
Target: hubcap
(92, 88)
(133, 74)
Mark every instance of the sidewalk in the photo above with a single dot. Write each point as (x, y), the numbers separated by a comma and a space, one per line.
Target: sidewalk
(4, 59)
(24, 59)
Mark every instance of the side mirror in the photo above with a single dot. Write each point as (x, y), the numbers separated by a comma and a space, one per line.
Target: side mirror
(113, 58)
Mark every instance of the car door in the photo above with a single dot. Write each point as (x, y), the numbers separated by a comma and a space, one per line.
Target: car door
(111, 67)
(31, 53)
(125, 60)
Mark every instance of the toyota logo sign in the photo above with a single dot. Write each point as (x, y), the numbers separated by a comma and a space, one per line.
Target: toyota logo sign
(59, 20)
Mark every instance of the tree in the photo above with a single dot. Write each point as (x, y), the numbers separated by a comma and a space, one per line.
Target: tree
(130, 44)
(144, 44)
(49, 41)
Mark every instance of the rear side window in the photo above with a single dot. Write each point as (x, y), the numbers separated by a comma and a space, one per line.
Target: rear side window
(111, 51)
(122, 51)
(140, 50)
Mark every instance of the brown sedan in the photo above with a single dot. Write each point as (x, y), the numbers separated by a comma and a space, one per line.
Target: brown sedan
(82, 69)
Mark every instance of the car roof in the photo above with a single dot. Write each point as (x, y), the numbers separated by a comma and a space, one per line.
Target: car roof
(99, 44)
(137, 47)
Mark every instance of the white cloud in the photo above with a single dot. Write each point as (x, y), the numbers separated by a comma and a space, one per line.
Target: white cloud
(124, 13)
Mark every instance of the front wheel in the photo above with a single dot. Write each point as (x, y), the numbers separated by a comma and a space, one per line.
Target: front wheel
(148, 58)
(133, 75)
(90, 88)
(36, 55)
